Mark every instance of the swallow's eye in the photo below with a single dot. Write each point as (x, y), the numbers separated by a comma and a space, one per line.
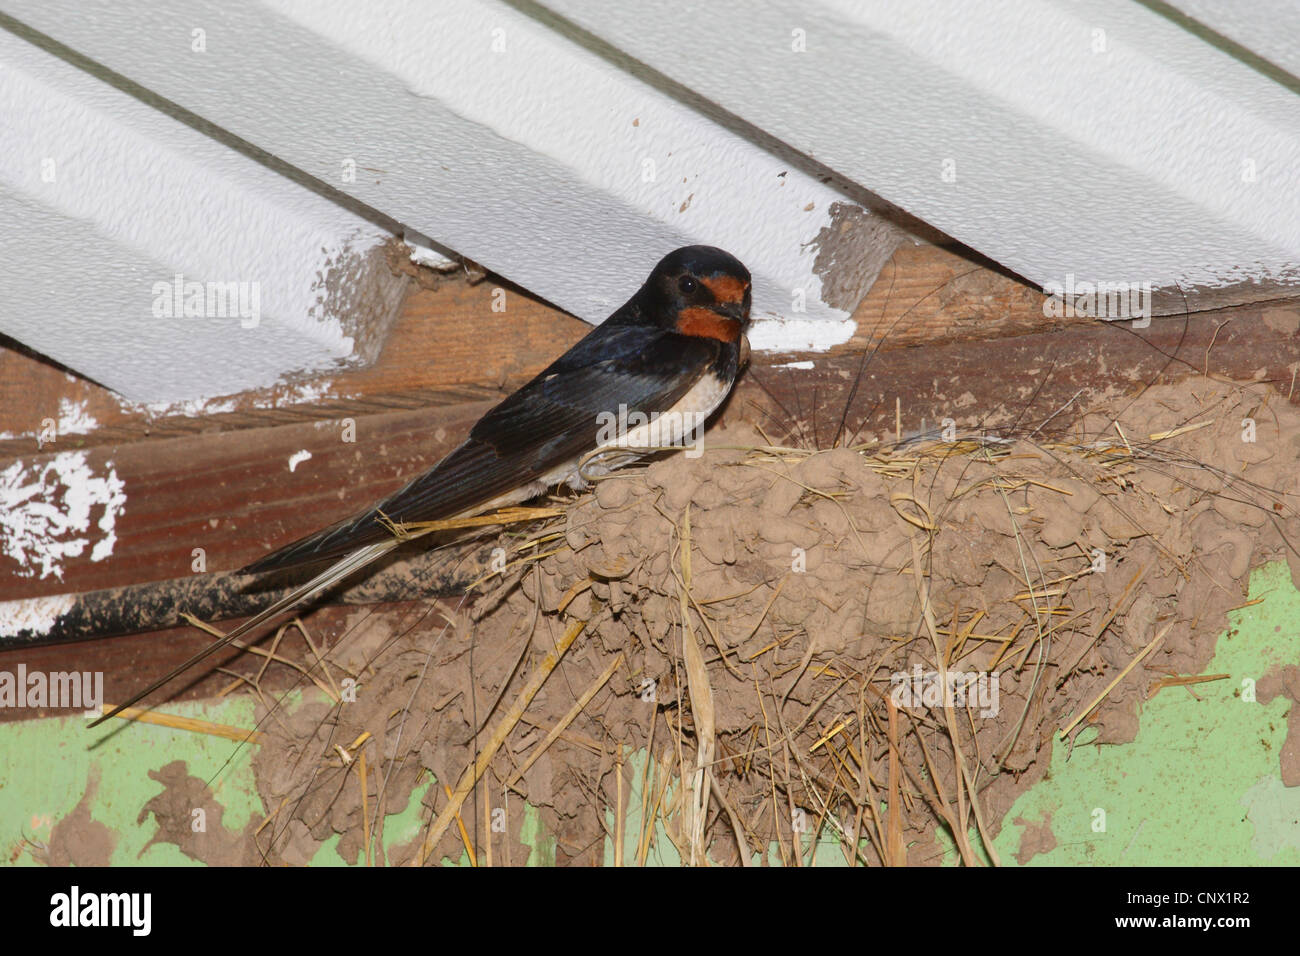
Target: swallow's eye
(687, 284)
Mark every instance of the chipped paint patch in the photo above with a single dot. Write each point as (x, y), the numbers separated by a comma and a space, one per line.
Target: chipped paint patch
(852, 248)
(424, 254)
(801, 365)
(34, 616)
(297, 458)
(73, 418)
(189, 408)
(303, 393)
(781, 334)
(47, 513)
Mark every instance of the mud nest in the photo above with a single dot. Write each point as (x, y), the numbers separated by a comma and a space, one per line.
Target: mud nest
(767, 654)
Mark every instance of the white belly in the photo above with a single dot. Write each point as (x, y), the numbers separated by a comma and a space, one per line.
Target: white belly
(686, 418)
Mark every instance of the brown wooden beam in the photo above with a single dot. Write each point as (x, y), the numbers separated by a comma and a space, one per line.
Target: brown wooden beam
(1022, 378)
(232, 493)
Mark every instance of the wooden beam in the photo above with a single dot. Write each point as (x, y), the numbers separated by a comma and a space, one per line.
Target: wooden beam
(233, 495)
(1022, 378)
(930, 294)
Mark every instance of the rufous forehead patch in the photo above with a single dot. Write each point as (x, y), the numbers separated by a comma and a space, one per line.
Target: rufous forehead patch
(726, 288)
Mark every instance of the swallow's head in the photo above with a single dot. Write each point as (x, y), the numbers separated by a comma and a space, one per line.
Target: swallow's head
(700, 291)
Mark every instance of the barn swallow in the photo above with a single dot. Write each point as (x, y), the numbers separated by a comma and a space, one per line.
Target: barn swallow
(668, 356)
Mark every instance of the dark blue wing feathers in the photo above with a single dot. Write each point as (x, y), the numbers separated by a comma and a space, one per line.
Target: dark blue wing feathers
(549, 421)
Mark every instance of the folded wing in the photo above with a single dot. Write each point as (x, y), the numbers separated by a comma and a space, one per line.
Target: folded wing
(546, 423)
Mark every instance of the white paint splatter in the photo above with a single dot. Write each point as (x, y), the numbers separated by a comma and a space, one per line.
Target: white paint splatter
(73, 419)
(281, 396)
(423, 253)
(770, 333)
(189, 408)
(304, 394)
(297, 458)
(45, 516)
(35, 615)
(802, 365)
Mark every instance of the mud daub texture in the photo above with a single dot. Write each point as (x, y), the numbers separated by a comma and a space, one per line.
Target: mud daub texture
(821, 588)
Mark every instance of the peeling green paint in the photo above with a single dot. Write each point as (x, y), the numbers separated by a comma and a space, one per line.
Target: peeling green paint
(1201, 785)
(48, 765)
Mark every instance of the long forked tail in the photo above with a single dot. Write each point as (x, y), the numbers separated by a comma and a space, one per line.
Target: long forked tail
(322, 582)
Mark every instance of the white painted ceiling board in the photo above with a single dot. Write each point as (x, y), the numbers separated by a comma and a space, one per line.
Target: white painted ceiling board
(104, 201)
(1091, 138)
(499, 138)
(1270, 29)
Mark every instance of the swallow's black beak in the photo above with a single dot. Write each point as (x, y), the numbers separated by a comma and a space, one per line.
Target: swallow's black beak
(739, 311)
